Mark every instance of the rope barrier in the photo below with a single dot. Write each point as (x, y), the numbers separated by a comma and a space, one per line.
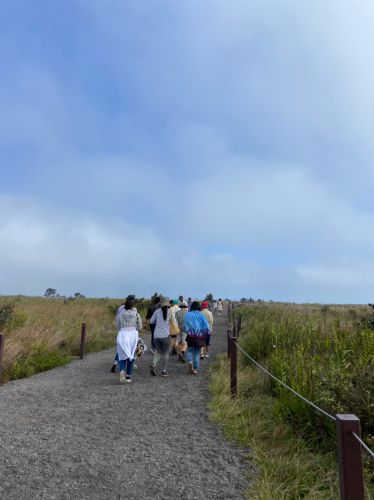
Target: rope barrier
(286, 386)
(364, 445)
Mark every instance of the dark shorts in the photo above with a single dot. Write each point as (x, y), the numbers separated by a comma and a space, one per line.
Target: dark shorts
(207, 341)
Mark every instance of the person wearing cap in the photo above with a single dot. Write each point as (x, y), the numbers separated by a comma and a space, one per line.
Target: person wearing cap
(182, 344)
(129, 323)
(174, 328)
(197, 328)
(209, 316)
(161, 318)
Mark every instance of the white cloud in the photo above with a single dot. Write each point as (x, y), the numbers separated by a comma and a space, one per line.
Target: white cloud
(236, 156)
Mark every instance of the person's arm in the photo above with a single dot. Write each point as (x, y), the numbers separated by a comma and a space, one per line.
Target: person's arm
(206, 326)
(153, 319)
(139, 322)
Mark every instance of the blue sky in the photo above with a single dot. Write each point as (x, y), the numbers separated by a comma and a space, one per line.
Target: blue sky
(187, 147)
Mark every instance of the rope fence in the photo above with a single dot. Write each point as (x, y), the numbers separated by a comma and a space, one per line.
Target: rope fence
(349, 442)
(323, 412)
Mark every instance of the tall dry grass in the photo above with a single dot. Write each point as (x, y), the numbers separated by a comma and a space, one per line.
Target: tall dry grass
(46, 332)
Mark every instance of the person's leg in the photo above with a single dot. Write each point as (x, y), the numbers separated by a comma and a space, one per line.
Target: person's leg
(196, 357)
(130, 366)
(115, 363)
(156, 357)
(152, 326)
(122, 368)
(189, 354)
(173, 344)
(165, 354)
(190, 351)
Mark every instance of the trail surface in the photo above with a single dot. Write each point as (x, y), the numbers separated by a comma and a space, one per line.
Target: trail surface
(75, 433)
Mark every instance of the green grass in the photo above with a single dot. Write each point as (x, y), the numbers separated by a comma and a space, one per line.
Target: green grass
(286, 468)
(326, 353)
(39, 360)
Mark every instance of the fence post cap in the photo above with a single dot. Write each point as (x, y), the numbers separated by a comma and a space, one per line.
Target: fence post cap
(347, 417)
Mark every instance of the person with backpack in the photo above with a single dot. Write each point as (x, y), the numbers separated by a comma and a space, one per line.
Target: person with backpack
(197, 328)
(161, 319)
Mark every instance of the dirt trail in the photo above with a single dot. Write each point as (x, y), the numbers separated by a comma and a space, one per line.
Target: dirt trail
(75, 433)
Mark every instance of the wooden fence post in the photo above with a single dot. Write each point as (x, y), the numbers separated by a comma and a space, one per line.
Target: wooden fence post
(350, 459)
(2, 340)
(233, 368)
(83, 340)
(239, 324)
(228, 342)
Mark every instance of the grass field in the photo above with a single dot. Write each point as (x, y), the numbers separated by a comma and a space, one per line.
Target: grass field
(326, 353)
(42, 333)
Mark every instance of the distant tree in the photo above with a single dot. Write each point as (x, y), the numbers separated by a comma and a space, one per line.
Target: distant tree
(79, 295)
(154, 296)
(50, 292)
(209, 297)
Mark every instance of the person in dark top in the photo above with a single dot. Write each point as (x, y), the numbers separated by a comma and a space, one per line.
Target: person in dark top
(151, 309)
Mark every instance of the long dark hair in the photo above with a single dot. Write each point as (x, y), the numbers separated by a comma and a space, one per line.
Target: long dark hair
(165, 312)
(129, 304)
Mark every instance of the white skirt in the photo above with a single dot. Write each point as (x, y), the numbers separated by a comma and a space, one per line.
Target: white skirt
(127, 340)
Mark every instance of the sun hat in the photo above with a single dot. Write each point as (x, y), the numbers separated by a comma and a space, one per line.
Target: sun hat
(165, 301)
(204, 305)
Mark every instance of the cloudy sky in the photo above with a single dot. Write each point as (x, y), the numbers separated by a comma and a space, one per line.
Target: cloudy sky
(188, 146)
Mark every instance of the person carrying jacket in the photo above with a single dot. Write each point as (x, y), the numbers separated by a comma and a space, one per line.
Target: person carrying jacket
(129, 323)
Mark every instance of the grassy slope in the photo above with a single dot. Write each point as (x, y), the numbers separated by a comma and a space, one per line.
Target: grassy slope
(293, 449)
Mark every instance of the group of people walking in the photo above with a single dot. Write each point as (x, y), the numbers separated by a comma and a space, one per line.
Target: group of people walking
(178, 327)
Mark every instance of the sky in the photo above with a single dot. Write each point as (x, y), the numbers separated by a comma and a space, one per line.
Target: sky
(188, 147)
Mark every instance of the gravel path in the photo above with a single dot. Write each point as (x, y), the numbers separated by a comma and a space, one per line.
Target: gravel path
(75, 433)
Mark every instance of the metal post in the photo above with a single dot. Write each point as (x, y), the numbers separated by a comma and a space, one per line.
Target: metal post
(228, 342)
(350, 459)
(83, 339)
(233, 368)
(2, 340)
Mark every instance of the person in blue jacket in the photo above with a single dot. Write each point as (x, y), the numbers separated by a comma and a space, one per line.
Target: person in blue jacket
(197, 328)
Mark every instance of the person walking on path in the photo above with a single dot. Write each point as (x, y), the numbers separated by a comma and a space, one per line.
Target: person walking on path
(161, 319)
(120, 310)
(197, 328)
(182, 344)
(209, 316)
(151, 309)
(130, 324)
(220, 307)
(174, 328)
